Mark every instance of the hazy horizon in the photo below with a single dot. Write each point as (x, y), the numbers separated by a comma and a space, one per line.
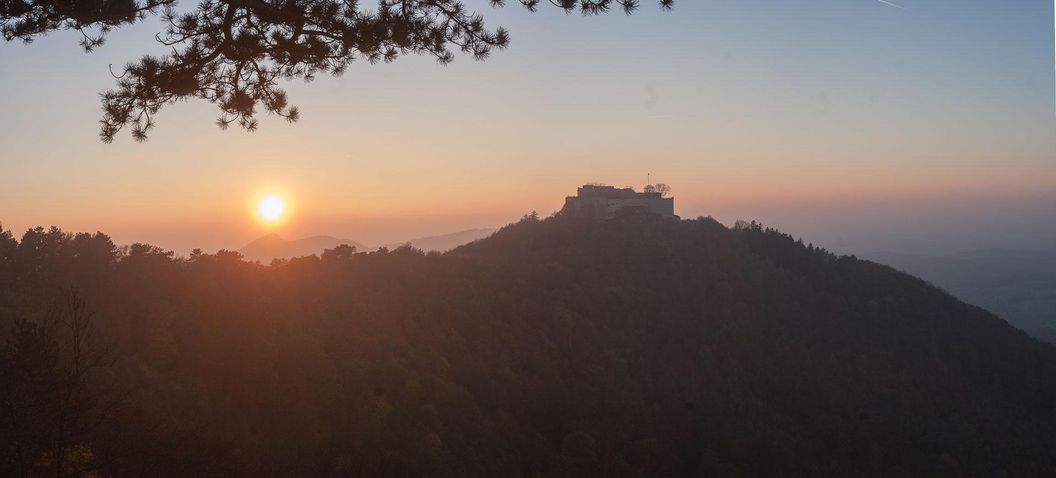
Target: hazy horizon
(855, 125)
(865, 226)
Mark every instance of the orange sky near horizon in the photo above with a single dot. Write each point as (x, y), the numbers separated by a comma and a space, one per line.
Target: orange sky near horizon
(385, 215)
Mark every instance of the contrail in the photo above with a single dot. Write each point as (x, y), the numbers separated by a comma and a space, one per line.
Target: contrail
(885, 2)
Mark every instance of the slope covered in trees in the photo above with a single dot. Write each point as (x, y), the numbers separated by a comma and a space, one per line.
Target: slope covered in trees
(557, 347)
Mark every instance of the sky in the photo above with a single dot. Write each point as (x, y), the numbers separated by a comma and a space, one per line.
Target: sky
(856, 124)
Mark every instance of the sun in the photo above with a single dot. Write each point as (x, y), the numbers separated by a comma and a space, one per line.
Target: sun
(271, 208)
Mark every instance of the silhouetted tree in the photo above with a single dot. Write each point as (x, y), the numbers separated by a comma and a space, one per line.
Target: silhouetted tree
(234, 52)
(661, 188)
(8, 249)
(45, 367)
(340, 255)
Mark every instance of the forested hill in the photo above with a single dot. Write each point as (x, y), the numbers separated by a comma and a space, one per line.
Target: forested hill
(632, 347)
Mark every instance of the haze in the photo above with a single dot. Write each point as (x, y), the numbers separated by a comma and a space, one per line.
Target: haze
(855, 124)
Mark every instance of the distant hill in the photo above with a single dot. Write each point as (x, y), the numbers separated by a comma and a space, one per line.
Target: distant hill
(1019, 286)
(445, 242)
(273, 246)
(631, 347)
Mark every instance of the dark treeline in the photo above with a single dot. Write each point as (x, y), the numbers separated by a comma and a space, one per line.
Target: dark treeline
(557, 347)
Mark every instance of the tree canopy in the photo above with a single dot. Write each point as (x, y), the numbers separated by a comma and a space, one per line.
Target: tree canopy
(637, 346)
(234, 53)
(661, 188)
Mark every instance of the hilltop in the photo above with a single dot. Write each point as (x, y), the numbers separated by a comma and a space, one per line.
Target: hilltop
(636, 346)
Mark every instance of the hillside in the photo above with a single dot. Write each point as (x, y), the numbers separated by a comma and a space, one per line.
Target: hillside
(557, 347)
(1019, 286)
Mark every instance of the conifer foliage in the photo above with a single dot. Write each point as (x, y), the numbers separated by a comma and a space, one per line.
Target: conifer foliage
(234, 53)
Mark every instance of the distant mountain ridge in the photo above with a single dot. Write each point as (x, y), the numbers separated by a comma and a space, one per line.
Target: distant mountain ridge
(273, 246)
(445, 242)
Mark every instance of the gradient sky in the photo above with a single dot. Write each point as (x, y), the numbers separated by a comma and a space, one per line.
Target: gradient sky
(852, 123)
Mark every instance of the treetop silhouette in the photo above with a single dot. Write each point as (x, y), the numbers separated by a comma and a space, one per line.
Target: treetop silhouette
(234, 52)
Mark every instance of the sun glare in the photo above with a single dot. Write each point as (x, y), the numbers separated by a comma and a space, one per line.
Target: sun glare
(271, 208)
